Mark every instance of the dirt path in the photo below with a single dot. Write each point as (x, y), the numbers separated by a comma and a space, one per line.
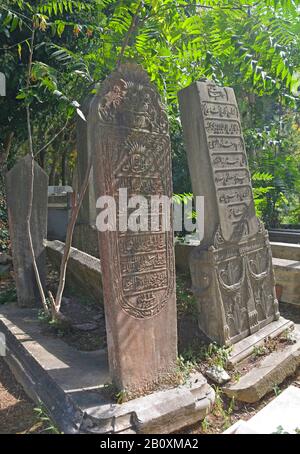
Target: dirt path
(17, 414)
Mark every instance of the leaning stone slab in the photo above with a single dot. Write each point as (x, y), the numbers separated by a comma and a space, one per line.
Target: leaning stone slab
(270, 372)
(18, 187)
(83, 272)
(72, 385)
(128, 133)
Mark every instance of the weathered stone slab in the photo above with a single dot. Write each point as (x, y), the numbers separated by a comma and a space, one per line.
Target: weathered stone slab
(271, 371)
(18, 188)
(288, 251)
(83, 272)
(287, 273)
(85, 238)
(231, 270)
(71, 385)
(131, 146)
(60, 202)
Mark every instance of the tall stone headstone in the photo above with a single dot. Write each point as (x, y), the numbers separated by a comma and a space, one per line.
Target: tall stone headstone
(85, 235)
(231, 270)
(18, 189)
(128, 132)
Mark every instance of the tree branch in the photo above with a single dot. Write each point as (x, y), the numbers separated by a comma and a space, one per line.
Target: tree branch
(31, 189)
(56, 304)
(52, 140)
(133, 25)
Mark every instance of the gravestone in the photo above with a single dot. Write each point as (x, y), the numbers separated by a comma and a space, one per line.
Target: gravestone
(129, 136)
(60, 202)
(85, 237)
(18, 188)
(231, 270)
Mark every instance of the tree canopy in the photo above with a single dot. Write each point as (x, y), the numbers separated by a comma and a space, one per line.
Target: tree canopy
(250, 45)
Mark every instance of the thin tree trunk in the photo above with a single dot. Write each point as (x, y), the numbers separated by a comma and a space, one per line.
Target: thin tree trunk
(63, 167)
(52, 171)
(133, 25)
(31, 189)
(56, 304)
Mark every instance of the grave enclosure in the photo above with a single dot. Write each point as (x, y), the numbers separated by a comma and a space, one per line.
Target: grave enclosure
(126, 135)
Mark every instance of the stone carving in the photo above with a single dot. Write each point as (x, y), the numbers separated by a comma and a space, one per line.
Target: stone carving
(232, 270)
(18, 187)
(131, 149)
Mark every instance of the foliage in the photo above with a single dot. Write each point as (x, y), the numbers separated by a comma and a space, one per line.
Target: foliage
(217, 355)
(184, 368)
(4, 234)
(223, 408)
(253, 47)
(9, 295)
(212, 354)
(186, 302)
(43, 416)
(276, 189)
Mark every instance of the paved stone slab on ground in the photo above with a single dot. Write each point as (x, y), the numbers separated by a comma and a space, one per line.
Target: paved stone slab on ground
(281, 415)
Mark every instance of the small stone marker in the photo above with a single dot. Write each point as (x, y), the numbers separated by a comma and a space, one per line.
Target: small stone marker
(18, 187)
(217, 374)
(131, 147)
(231, 270)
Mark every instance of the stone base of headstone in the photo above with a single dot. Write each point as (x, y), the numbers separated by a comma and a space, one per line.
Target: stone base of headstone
(245, 347)
(85, 238)
(234, 286)
(271, 371)
(70, 384)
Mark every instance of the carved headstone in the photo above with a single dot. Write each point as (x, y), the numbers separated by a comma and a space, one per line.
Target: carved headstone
(232, 268)
(85, 235)
(131, 148)
(18, 189)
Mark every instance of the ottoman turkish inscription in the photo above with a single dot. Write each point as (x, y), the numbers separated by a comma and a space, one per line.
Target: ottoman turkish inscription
(231, 270)
(132, 150)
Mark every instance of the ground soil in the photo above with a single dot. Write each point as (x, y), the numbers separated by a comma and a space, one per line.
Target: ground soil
(17, 411)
